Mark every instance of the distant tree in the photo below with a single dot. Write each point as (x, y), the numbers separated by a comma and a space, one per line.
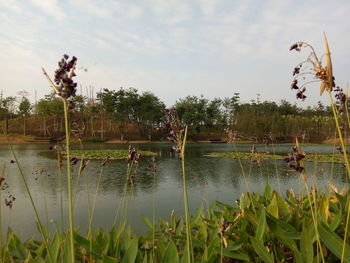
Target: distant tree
(24, 110)
(192, 111)
(8, 106)
(149, 113)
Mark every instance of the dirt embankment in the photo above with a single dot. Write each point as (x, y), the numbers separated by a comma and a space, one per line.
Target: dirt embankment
(15, 138)
(336, 141)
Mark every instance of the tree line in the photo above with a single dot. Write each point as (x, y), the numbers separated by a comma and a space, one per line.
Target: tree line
(127, 112)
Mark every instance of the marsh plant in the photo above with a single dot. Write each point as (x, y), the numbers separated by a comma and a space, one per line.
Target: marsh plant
(178, 135)
(65, 87)
(312, 66)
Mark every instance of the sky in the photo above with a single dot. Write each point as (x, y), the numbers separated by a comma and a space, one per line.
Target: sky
(172, 48)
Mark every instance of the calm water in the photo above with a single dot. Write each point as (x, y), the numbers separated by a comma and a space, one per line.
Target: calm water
(209, 179)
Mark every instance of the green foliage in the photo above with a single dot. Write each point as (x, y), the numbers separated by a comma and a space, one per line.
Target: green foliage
(94, 139)
(319, 157)
(24, 107)
(271, 230)
(111, 154)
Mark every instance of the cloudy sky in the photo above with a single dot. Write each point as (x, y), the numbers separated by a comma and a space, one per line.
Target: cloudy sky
(173, 48)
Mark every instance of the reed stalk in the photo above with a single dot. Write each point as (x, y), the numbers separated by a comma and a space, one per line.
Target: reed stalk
(185, 195)
(69, 180)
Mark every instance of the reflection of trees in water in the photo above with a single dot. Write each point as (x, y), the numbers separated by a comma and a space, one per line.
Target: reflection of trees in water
(202, 173)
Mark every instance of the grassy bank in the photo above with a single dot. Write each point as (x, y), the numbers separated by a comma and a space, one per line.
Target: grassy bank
(316, 157)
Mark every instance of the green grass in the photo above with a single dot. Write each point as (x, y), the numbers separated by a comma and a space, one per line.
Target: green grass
(111, 154)
(258, 228)
(263, 156)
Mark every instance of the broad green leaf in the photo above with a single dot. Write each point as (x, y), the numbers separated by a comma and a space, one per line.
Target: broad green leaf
(145, 258)
(196, 216)
(185, 256)
(273, 206)
(261, 225)
(283, 207)
(268, 192)
(251, 218)
(261, 250)
(324, 209)
(244, 201)
(215, 242)
(17, 249)
(333, 242)
(66, 250)
(109, 259)
(336, 221)
(197, 243)
(147, 221)
(131, 251)
(82, 241)
(55, 247)
(235, 246)
(160, 249)
(170, 254)
(232, 254)
(275, 221)
(306, 244)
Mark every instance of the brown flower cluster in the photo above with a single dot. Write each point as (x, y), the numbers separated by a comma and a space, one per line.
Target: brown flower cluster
(313, 67)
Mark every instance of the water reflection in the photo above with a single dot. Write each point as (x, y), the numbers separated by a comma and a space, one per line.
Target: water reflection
(209, 179)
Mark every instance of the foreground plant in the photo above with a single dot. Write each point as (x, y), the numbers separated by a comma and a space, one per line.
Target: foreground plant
(65, 87)
(263, 228)
(312, 66)
(178, 135)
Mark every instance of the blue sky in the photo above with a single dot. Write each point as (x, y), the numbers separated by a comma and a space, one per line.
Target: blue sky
(173, 48)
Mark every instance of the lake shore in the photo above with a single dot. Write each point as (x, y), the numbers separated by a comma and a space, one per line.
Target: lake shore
(21, 139)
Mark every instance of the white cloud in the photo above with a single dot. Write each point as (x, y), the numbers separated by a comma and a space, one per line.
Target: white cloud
(208, 7)
(154, 44)
(171, 12)
(134, 12)
(11, 5)
(50, 7)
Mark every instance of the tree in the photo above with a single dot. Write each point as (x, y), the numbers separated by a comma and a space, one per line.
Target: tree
(7, 106)
(24, 110)
(149, 112)
(192, 111)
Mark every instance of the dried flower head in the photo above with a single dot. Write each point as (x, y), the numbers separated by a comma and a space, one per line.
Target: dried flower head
(313, 66)
(133, 155)
(232, 135)
(63, 84)
(152, 165)
(9, 201)
(295, 158)
(175, 130)
(78, 129)
(104, 161)
(73, 160)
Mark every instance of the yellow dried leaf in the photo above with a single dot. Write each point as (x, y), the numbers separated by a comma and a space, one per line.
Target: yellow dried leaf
(329, 68)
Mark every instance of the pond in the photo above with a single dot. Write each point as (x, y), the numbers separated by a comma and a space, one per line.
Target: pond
(208, 179)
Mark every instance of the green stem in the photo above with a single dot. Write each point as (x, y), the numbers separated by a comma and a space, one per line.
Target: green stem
(94, 201)
(153, 216)
(1, 254)
(313, 215)
(69, 179)
(340, 134)
(347, 168)
(91, 214)
(187, 213)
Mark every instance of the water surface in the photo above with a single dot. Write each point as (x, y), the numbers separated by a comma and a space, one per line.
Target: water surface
(208, 179)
